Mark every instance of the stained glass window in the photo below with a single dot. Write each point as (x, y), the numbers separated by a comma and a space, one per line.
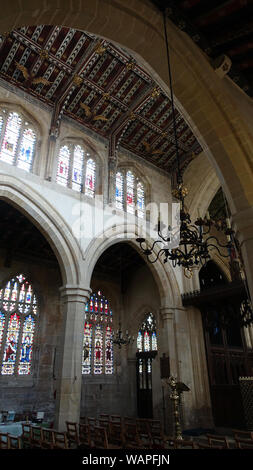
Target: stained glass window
(119, 191)
(18, 145)
(26, 152)
(77, 172)
(87, 348)
(97, 341)
(130, 192)
(63, 166)
(11, 136)
(140, 200)
(147, 338)
(18, 312)
(90, 178)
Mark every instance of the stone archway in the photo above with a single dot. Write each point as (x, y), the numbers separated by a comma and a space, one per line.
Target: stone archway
(165, 278)
(49, 222)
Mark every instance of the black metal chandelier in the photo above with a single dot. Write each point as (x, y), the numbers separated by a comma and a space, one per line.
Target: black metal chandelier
(119, 339)
(194, 244)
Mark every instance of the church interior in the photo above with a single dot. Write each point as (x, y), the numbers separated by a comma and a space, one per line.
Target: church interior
(126, 217)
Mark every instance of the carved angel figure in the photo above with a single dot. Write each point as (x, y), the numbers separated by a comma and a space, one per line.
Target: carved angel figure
(151, 151)
(31, 79)
(92, 116)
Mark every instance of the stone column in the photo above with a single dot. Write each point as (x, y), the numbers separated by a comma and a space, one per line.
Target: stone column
(168, 345)
(69, 361)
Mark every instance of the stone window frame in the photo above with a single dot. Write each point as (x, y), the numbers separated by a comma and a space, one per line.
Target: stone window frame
(123, 169)
(72, 142)
(27, 121)
(34, 360)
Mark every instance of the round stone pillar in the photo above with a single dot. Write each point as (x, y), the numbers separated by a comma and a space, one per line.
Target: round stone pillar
(69, 357)
(168, 345)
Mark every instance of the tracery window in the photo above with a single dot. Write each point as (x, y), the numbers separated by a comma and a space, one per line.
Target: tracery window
(147, 338)
(129, 193)
(76, 169)
(97, 342)
(17, 140)
(18, 321)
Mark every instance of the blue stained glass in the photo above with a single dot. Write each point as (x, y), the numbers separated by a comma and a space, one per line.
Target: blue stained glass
(25, 157)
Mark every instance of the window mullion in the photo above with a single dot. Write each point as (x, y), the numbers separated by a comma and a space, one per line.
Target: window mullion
(3, 132)
(4, 339)
(22, 320)
(21, 133)
(71, 164)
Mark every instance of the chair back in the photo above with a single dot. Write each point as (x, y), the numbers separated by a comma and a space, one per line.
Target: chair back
(36, 436)
(184, 444)
(116, 419)
(47, 440)
(216, 440)
(92, 422)
(60, 440)
(3, 440)
(132, 438)
(26, 434)
(243, 443)
(84, 435)
(116, 435)
(99, 438)
(14, 442)
(238, 434)
(72, 432)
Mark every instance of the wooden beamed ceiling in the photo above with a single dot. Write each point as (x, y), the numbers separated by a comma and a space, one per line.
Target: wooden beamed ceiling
(218, 27)
(79, 70)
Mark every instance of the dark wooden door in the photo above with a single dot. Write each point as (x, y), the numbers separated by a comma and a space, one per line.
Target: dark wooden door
(144, 384)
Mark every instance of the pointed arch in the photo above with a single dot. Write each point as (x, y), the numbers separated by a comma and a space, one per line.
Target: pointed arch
(49, 222)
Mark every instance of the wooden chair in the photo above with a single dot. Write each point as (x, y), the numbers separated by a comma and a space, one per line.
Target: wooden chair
(60, 440)
(129, 420)
(238, 434)
(115, 419)
(83, 420)
(3, 440)
(215, 440)
(132, 438)
(35, 437)
(47, 440)
(72, 434)
(84, 436)
(184, 444)
(92, 422)
(104, 417)
(243, 443)
(144, 432)
(157, 435)
(116, 436)
(14, 442)
(158, 442)
(26, 435)
(205, 445)
(99, 438)
(104, 424)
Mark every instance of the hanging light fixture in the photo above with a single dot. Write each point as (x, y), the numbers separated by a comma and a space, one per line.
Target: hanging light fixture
(194, 244)
(121, 340)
